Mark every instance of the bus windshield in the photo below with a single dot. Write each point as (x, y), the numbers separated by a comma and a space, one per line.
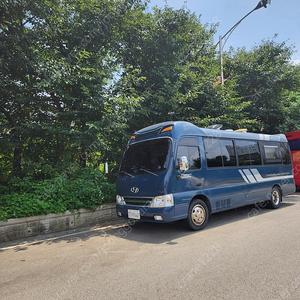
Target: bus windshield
(150, 156)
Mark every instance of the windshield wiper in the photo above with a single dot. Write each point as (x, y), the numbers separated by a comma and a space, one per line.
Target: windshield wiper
(149, 172)
(127, 174)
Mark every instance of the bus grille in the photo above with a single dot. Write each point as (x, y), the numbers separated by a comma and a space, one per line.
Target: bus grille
(138, 201)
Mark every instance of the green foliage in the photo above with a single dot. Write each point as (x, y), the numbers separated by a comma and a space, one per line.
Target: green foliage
(26, 197)
(57, 69)
(172, 52)
(78, 77)
(264, 76)
(291, 112)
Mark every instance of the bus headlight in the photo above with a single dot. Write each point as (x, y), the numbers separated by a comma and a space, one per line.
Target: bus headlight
(162, 201)
(120, 200)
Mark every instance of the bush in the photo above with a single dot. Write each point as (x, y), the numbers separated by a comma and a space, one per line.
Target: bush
(27, 197)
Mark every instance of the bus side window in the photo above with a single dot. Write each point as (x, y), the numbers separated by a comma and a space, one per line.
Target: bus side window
(228, 153)
(248, 153)
(285, 154)
(271, 153)
(189, 148)
(294, 145)
(192, 154)
(219, 152)
(213, 152)
(255, 153)
(243, 151)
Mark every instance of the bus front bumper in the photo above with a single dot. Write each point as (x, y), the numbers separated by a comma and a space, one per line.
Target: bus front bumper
(147, 214)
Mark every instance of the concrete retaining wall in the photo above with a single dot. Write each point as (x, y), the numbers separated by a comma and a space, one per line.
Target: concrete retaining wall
(31, 226)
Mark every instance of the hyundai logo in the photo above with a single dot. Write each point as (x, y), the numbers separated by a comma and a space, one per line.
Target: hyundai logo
(134, 190)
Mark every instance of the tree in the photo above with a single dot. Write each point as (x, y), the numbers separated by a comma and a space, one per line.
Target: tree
(79, 77)
(264, 77)
(174, 56)
(57, 62)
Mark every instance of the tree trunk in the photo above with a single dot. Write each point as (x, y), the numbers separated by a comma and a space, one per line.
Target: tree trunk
(83, 156)
(59, 150)
(17, 169)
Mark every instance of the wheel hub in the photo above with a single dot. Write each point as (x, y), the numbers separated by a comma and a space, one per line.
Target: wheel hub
(198, 214)
(275, 197)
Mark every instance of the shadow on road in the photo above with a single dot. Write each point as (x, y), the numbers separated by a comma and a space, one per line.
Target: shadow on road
(167, 232)
(144, 232)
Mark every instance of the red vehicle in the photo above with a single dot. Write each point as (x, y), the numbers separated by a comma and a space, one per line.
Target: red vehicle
(294, 142)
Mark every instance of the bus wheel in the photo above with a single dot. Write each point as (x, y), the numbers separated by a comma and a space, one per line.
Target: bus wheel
(276, 198)
(198, 215)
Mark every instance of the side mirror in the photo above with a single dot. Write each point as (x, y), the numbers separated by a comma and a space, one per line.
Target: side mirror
(183, 163)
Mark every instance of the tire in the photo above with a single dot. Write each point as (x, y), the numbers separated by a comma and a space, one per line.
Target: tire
(276, 198)
(198, 215)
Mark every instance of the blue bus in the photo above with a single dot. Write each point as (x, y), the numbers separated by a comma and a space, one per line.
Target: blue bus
(176, 170)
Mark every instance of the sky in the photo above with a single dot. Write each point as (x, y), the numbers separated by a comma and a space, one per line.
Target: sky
(281, 17)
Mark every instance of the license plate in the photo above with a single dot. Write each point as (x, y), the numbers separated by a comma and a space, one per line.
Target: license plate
(134, 214)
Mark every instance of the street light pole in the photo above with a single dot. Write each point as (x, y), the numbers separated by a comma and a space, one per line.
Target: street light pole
(221, 58)
(260, 4)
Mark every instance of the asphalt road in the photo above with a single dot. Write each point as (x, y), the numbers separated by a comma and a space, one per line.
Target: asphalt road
(246, 253)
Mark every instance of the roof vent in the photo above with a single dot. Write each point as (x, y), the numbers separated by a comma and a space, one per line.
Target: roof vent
(215, 126)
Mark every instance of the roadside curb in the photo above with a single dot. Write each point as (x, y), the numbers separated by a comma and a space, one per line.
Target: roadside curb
(38, 225)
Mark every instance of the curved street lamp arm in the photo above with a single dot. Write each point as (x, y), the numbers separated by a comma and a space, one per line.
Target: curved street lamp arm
(260, 4)
(238, 23)
(235, 26)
